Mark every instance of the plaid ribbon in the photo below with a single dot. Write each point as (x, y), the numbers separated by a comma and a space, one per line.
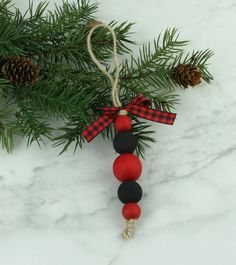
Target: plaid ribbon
(139, 106)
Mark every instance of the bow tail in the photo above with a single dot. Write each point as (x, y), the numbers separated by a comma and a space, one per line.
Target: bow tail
(96, 127)
(152, 114)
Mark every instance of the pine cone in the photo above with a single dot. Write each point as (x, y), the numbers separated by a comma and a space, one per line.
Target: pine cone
(20, 71)
(187, 75)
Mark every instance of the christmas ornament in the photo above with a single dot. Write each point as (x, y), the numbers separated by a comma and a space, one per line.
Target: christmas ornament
(19, 70)
(127, 167)
(187, 75)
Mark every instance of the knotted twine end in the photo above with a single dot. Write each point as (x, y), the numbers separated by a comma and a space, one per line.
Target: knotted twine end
(129, 230)
(123, 112)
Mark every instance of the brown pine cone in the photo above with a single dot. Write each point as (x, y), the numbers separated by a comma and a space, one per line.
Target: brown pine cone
(20, 71)
(187, 75)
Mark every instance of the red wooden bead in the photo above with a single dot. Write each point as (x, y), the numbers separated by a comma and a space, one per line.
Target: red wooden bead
(131, 210)
(127, 167)
(123, 123)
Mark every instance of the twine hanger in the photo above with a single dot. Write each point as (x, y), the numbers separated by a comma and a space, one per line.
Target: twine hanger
(113, 80)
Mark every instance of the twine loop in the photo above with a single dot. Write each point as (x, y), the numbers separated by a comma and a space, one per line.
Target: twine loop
(113, 80)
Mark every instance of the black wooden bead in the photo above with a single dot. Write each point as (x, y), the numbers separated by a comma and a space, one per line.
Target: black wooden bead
(125, 142)
(130, 191)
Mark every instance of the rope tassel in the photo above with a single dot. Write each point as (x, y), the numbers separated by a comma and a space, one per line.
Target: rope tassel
(130, 228)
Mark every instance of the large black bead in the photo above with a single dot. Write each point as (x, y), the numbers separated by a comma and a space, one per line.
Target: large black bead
(130, 191)
(125, 142)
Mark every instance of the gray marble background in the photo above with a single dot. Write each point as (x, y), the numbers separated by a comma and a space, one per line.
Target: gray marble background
(63, 210)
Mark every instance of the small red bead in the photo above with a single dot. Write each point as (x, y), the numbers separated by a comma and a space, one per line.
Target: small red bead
(127, 167)
(123, 123)
(131, 210)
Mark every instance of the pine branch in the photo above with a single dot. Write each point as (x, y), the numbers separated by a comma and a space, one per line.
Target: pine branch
(143, 133)
(7, 121)
(70, 86)
(32, 124)
(5, 8)
(71, 134)
(152, 68)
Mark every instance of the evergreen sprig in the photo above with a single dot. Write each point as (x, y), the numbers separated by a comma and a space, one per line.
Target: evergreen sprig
(6, 126)
(70, 86)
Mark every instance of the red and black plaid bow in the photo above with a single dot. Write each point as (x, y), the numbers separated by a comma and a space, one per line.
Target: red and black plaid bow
(139, 106)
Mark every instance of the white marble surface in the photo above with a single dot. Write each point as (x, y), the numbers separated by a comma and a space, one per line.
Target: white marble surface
(58, 210)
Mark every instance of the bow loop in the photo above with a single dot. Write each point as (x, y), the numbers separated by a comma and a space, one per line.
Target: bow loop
(140, 100)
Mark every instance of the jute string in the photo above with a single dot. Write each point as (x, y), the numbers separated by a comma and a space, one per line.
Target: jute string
(129, 230)
(113, 80)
